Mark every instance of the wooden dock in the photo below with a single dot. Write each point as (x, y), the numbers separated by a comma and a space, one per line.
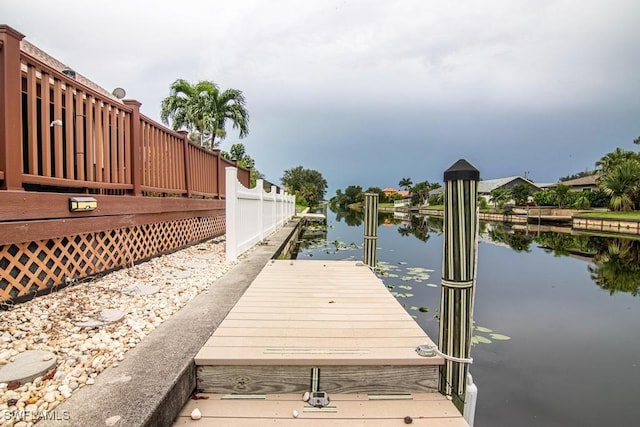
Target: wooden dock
(329, 323)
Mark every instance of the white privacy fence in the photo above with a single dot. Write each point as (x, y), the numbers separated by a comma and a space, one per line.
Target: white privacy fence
(252, 214)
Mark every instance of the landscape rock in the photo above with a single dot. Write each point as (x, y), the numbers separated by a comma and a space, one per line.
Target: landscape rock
(56, 324)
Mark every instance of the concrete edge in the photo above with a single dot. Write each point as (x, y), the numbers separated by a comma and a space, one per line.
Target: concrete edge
(156, 378)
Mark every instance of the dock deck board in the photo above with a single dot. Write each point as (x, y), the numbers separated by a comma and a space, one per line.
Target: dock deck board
(333, 315)
(316, 313)
(427, 409)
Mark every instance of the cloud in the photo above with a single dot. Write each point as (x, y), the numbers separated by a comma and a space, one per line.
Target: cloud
(409, 86)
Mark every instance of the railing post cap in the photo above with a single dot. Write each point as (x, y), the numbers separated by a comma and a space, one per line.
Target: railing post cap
(6, 29)
(461, 170)
(132, 102)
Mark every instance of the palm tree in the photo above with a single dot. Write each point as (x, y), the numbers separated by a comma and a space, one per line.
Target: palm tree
(617, 156)
(203, 110)
(405, 183)
(622, 184)
(499, 196)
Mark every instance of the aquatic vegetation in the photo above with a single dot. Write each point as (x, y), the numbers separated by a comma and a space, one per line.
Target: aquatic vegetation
(477, 338)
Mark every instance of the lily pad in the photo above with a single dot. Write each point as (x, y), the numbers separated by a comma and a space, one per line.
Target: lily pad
(432, 285)
(482, 329)
(405, 287)
(424, 309)
(401, 295)
(480, 339)
(499, 337)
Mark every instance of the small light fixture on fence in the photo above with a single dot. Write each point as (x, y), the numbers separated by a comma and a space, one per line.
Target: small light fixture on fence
(69, 72)
(56, 122)
(119, 93)
(81, 204)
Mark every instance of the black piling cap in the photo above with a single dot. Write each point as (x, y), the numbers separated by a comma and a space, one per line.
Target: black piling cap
(461, 170)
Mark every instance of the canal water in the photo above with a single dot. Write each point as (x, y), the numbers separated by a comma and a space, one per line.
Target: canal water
(557, 316)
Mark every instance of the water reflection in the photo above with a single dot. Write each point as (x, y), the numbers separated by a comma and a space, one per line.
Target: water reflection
(614, 262)
(617, 267)
(420, 227)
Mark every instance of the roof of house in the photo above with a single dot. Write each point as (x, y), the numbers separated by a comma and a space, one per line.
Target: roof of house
(582, 181)
(390, 190)
(487, 185)
(403, 193)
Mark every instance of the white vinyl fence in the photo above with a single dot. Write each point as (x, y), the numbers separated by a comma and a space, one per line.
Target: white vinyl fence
(253, 214)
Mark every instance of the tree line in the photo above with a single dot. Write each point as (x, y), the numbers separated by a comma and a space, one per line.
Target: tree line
(354, 194)
(617, 179)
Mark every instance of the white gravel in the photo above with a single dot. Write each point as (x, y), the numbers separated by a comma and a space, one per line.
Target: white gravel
(48, 323)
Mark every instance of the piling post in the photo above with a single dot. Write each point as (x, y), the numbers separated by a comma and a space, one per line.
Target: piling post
(370, 228)
(458, 277)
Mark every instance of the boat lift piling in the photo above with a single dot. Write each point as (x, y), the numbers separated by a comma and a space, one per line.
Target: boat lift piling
(458, 285)
(370, 228)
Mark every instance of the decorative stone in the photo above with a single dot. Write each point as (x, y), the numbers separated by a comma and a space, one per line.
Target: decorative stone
(106, 317)
(111, 421)
(306, 396)
(27, 366)
(295, 414)
(43, 323)
(140, 290)
(196, 414)
(196, 265)
(50, 397)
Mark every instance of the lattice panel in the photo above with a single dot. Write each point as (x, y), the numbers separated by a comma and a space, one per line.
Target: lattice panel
(26, 268)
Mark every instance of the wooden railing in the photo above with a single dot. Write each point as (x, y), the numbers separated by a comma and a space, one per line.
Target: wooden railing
(60, 132)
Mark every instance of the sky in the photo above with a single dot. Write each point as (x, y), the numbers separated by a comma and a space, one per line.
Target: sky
(370, 92)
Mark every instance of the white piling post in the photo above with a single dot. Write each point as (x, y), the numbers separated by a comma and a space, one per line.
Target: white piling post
(470, 400)
(231, 202)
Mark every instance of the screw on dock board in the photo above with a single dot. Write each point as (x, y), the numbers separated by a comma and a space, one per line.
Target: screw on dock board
(408, 420)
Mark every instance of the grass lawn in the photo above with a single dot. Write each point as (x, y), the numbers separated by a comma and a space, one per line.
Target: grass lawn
(613, 215)
(434, 207)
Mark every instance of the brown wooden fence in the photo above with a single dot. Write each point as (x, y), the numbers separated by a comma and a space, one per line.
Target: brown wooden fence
(62, 136)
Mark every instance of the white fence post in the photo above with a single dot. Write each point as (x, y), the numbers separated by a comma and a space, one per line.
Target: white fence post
(260, 209)
(274, 208)
(231, 213)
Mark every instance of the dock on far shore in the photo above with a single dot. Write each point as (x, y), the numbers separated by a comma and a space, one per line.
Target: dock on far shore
(318, 326)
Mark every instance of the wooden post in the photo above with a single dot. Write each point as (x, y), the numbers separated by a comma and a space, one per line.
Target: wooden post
(370, 228)
(187, 161)
(458, 276)
(219, 174)
(136, 145)
(10, 109)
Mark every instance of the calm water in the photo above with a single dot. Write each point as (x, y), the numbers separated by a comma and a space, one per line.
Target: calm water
(569, 304)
